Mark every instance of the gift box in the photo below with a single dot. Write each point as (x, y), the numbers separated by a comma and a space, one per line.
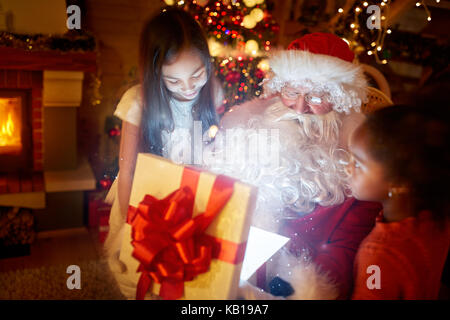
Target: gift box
(186, 231)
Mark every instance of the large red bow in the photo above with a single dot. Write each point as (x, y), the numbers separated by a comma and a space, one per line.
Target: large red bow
(170, 244)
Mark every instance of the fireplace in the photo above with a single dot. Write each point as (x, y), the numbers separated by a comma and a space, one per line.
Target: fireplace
(15, 134)
(40, 168)
(42, 68)
(21, 117)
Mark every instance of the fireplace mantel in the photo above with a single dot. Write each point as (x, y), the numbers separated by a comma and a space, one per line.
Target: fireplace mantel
(19, 59)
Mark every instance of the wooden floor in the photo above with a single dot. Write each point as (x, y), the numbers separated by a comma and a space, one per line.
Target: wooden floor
(58, 247)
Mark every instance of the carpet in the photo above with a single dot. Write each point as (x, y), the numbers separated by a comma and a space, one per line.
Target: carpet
(49, 283)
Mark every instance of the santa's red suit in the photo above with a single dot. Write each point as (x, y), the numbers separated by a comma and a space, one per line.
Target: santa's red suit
(331, 236)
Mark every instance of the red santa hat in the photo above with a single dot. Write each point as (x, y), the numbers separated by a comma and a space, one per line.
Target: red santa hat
(319, 61)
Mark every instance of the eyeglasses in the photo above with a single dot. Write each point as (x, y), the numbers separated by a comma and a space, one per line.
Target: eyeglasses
(315, 98)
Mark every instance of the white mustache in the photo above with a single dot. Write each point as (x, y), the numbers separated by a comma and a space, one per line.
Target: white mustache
(301, 117)
(319, 127)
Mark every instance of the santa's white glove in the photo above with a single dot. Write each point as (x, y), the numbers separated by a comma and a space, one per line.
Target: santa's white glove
(247, 291)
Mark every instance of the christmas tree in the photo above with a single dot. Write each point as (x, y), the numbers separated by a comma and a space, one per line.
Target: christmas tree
(240, 34)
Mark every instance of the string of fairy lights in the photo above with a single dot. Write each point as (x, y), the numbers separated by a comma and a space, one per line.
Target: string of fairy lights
(422, 3)
(375, 45)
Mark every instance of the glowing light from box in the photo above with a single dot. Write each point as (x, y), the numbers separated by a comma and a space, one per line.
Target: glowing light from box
(213, 131)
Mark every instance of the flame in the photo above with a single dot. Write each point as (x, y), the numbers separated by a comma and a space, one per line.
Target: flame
(8, 127)
(8, 136)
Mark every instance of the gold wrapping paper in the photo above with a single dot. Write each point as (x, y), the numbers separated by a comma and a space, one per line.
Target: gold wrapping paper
(159, 177)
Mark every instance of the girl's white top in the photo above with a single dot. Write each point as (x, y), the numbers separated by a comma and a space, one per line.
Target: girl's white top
(130, 109)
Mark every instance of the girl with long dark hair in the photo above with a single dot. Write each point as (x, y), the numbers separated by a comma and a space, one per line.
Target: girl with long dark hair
(177, 87)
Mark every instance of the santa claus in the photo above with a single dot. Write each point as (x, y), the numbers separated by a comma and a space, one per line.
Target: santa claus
(312, 103)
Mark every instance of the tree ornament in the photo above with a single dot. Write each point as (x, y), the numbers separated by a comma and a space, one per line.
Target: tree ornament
(259, 74)
(251, 47)
(257, 14)
(250, 3)
(264, 65)
(114, 132)
(233, 77)
(215, 48)
(249, 22)
(202, 3)
(106, 182)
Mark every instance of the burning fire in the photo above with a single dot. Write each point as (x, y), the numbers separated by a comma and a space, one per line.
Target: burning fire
(9, 134)
(8, 127)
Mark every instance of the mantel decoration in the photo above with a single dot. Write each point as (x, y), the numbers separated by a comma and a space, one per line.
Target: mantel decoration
(78, 41)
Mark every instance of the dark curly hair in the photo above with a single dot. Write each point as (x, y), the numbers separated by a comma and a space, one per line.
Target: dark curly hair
(412, 142)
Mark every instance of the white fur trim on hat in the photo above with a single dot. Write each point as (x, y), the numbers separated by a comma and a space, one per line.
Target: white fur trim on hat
(344, 81)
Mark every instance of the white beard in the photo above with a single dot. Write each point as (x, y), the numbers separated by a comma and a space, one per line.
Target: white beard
(310, 169)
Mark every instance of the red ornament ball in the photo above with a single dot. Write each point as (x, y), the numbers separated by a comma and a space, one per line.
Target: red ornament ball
(106, 183)
(114, 132)
(233, 77)
(259, 73)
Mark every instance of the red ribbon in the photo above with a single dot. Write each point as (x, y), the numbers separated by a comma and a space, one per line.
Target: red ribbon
(171, 245)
